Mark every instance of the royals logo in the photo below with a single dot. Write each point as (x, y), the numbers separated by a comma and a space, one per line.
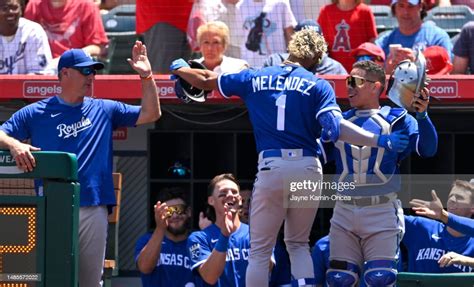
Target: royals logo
(66, 131)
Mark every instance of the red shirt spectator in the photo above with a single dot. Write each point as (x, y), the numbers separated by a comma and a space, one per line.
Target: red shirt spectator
(345, 30)
(75, 24)
(150, 12)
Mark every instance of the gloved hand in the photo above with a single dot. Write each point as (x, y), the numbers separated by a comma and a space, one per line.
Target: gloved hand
(396, 141)
(178, 63)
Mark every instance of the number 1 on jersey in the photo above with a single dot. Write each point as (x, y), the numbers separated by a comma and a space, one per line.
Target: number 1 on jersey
(281, 104)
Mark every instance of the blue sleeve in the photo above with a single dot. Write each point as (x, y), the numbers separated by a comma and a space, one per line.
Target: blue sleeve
(326, 98)
(427, 144)
(462, 224)
(235, 84)
(319, 265)
(199, 249)
(122, 115)
(17, 126)
(141, 242)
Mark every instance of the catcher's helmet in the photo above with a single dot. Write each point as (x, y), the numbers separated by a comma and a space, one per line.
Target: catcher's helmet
(406, 82)
(186, 92)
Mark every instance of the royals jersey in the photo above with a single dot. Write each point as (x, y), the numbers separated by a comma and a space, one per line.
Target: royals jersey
(427, 240)
(462, 224)
(201, 243)
(374, 170)
(28, 52)
(283, 103)
(84, 130)
(173, 268)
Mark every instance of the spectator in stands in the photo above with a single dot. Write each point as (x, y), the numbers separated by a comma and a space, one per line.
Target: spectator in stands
(69, 24)
(369, 52)
(163, 24)
(161, 256)
(74, 122)
(213, 39)
(346, 24)
(468, 3)
(464, 50)
(427, 240)
(437, 61)
(226, 237)
(412, 34)
(259, 28)
(327, 66)
(24, 47)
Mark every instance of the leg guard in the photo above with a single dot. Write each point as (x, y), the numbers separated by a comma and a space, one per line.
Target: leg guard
(308, 282)
(380, 273)
(342, 274)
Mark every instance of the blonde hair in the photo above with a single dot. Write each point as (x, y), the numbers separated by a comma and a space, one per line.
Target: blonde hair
(218, 27)
(305, 44)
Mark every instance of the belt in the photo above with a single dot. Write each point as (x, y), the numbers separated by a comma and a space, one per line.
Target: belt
(289, 153)
(369, 200)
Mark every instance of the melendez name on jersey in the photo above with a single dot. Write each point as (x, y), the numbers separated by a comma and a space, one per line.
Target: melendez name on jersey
(283, 102)
(200, 246)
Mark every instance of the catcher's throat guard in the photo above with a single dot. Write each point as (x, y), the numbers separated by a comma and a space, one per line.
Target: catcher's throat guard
(407, 81)
(186, 92)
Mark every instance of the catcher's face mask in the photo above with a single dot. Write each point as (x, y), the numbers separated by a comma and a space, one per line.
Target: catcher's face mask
(406, 82)
(186, 92)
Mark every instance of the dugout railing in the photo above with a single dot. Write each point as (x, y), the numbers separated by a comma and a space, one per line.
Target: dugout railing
(407, 279)
(38, 233)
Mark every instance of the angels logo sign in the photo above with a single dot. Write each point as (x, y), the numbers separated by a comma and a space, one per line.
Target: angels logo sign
(443, 89)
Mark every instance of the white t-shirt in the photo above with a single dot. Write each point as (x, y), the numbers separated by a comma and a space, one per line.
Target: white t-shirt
(228, 65)
(278, 16)
(28, 52)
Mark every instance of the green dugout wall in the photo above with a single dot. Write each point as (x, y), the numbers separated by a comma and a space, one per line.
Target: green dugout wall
(38, 233)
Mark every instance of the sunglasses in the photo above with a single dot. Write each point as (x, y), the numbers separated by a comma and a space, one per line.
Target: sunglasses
(354, 81)
(179, 209)
(369, 58)
(86, 71)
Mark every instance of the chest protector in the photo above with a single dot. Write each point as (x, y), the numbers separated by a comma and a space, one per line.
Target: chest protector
(369, 166)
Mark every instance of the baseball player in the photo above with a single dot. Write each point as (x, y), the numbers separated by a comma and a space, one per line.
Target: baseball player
(428, 240)
(367, 225)
(320, 255)
(219, 253)
(161, 256)
(434, 210)
(288, 106)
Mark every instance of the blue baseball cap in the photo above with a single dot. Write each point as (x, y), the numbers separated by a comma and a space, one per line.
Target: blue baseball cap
(309, 24)
(77, 58)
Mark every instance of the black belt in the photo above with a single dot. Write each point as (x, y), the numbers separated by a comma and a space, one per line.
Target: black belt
(368, 201)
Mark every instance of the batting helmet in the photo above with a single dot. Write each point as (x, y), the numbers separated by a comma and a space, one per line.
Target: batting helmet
(406, 82)
(186, 92)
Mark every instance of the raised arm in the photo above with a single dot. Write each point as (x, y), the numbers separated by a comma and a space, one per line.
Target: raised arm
(150, 254)
(151, 110)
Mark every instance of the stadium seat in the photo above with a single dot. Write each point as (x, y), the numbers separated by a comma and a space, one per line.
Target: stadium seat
(120, 19)
(111, 262)
(407, 279)
(451, 18)
(384, 20)
(119, 25)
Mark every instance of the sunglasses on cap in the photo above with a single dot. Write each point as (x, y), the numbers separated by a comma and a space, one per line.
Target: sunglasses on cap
(369, 58)
(179, 209)
(354, 81)
(86, 71)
